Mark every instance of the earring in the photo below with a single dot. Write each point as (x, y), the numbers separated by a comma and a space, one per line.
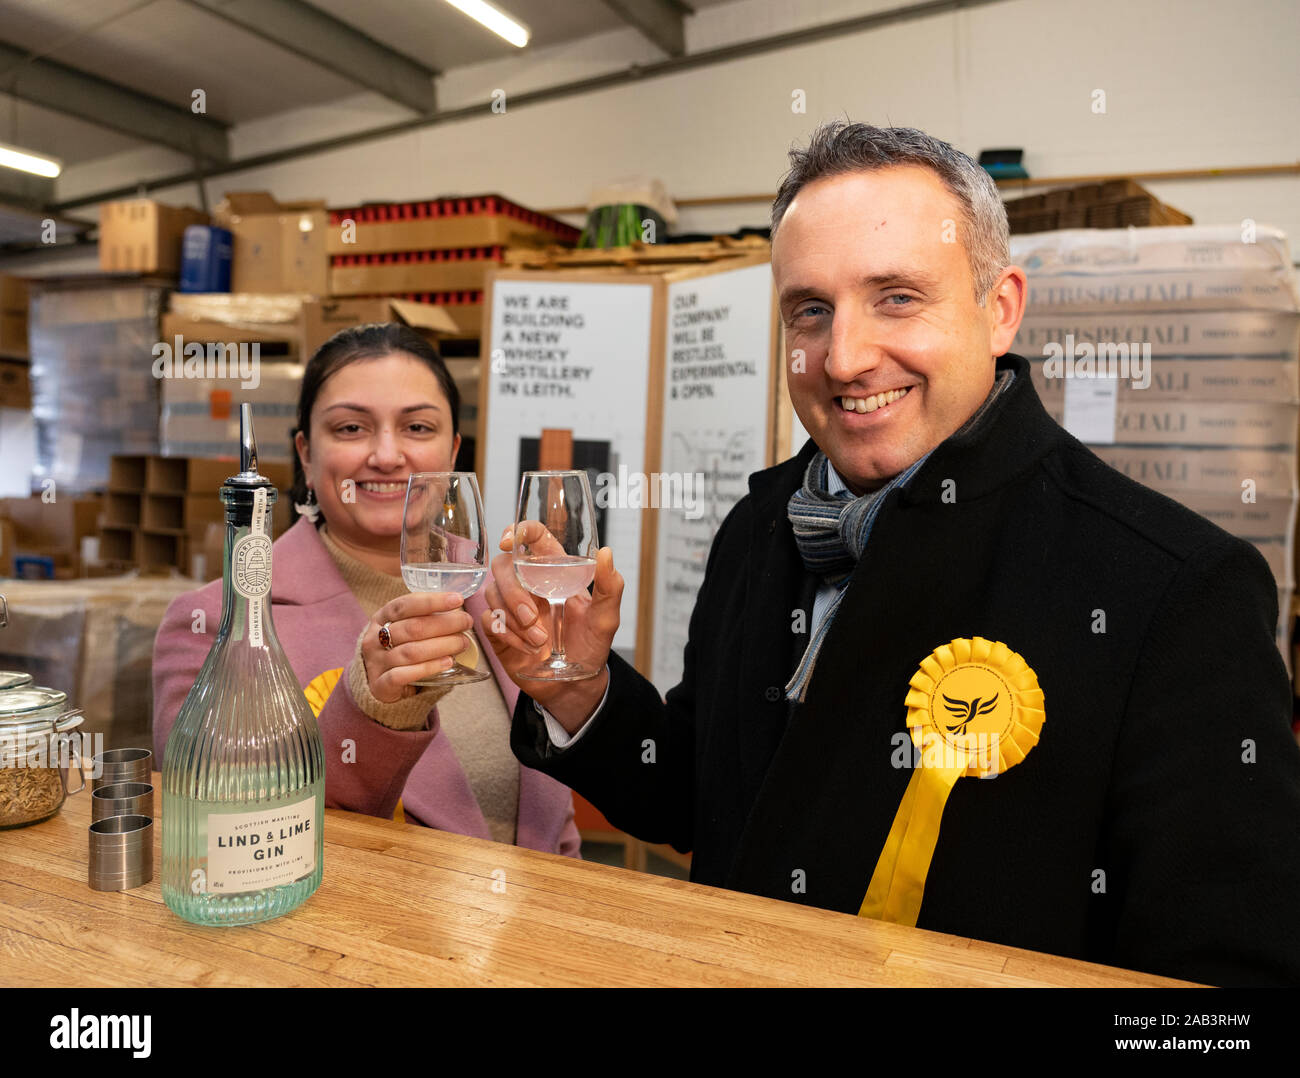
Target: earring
(309, 508)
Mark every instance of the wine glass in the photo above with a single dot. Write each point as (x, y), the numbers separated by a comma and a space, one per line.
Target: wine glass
(558, 515)
(444, 549)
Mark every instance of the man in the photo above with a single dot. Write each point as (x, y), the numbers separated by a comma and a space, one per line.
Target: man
(1143, 807)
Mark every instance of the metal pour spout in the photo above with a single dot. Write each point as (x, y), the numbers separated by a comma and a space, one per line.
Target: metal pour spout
(248, 475)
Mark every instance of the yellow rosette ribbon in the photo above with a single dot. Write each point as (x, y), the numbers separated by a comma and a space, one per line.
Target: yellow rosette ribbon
(973, 708)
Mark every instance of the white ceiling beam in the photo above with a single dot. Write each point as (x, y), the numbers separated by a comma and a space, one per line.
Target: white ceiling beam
(660, 22)
(337, 46)
(108, 104)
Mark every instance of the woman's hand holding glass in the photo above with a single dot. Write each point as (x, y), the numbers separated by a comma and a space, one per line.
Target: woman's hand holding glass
(426, 629)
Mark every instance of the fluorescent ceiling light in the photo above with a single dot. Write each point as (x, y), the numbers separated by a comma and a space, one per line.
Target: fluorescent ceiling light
(498, 22)
(12, 157)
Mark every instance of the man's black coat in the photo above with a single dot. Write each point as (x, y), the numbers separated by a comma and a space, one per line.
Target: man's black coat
(1155, 826)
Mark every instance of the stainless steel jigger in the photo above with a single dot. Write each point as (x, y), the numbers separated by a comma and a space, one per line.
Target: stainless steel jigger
(122, 765)
(122, 799)
(121, 853)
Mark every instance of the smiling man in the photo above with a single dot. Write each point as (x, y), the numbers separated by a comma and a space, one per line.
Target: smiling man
(946, 668)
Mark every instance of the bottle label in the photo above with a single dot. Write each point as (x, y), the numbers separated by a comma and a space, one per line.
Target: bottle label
(251, 567)
(248, 851)
(252, 558)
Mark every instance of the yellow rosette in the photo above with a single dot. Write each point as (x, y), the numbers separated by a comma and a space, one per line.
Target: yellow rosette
(319, 688)
(973, 708)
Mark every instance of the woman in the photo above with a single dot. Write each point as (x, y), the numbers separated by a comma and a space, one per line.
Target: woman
(377, 404)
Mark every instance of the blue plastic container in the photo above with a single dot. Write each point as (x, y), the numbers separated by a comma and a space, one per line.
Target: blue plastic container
(205, 259)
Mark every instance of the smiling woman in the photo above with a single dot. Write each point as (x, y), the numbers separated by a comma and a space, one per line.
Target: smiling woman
(377, 404)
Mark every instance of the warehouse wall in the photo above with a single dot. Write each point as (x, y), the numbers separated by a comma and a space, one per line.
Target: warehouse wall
(1188, 84)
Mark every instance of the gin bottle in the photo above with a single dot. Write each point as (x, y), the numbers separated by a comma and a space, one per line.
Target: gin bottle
(243, 775)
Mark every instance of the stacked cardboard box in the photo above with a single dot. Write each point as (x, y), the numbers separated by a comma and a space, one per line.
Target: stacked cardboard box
(143, 236)
(1199, 335)
(159, 511)
(276, 246)
(1112, 204)
(15, 384)
(436, 251)
(290, 323)
(41, 537)
(13, 317)
(93, 389)
(17, 435)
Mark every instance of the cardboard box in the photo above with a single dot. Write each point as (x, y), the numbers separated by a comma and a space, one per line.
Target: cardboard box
(143, 236)
(1187, 248)
(13, 316)
(60, 523)
(468, 318)
(1268, 524)
(188, 513)
(280, 338)
(1169, 290)
(1265, 519)
(13, 293)
(52, 529)
(278, 247)
(1142, 421)
(519, 228)
(322, 318)
(437, 274)
(1172, 469)
(8, 543)
(205, 475)
(13, 333)
(303, 323)
(1207, 380)
(15, 384)
(1222, 334)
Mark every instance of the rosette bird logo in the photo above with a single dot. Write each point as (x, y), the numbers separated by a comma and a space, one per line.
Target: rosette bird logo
(966, 711)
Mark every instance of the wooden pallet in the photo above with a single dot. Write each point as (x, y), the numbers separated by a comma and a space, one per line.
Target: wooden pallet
(637, 256)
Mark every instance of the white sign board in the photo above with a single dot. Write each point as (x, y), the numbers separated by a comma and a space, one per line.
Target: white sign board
(717, 388)
(571, 355)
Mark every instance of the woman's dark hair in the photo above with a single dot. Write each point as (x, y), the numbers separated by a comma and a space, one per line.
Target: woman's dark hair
(349, 346)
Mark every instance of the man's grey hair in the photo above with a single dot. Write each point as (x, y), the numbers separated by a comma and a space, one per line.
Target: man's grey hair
(839, 147)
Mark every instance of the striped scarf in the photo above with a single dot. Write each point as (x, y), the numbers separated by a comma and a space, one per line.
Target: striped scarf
(831, 532)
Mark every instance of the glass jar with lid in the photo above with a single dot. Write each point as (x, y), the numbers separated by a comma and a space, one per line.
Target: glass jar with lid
(36, 754)
(11, 679)
(14, 679)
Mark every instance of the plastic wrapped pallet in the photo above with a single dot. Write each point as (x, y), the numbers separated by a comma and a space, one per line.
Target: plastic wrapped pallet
(1175, 354)
(200, 418)
(94, 640)
(93, 392)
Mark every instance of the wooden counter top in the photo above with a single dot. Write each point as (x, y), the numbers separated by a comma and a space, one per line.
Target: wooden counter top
(406, 905)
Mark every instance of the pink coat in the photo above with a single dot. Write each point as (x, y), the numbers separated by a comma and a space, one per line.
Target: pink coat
(318, 620)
